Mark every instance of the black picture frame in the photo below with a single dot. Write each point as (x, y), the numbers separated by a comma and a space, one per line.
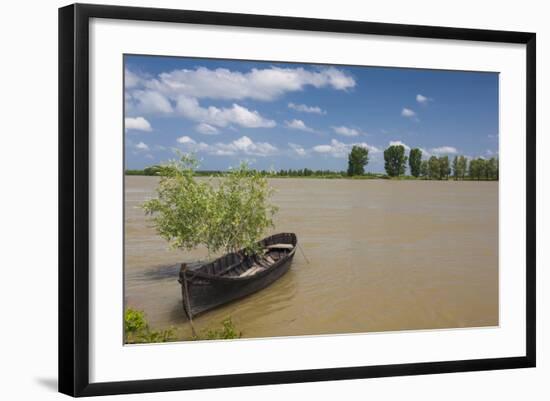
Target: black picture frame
(74, 198)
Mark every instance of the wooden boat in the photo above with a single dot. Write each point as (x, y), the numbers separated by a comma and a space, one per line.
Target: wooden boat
(235, 275)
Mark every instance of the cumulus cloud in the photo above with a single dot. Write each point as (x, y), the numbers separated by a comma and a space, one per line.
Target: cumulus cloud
(238, 115)
(207, 129)
(346, 131)
(131, 80)
(142, 146)
(242, 146)
(137, 124)
(179, 92)
(442, 150)
(306, 109)
(299, 125)
(398, 143)
(185, 139)
(425, 153)
(408, 113)
(147, 102)
(258, 83)
(422, 99)
(339, 149)
(297, 149)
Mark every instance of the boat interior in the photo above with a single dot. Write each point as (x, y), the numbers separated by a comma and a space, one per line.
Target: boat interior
(234, 265)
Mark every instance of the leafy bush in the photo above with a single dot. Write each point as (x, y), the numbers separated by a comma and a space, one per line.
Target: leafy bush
(188, 212)
(227, 332)
(134, 321)
(136, 329)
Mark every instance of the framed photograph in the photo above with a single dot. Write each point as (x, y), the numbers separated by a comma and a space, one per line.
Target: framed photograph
(250, 199)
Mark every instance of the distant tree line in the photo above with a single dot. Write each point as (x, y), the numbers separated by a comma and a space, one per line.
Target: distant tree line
(438, 168)
(303, 172)
(395, 164)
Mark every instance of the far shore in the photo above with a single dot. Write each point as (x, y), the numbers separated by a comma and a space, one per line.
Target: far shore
(335, 176)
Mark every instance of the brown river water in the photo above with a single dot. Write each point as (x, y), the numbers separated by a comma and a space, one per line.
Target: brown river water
(384, 255)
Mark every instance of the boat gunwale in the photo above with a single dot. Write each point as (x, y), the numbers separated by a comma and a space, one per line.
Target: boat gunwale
(190, 275)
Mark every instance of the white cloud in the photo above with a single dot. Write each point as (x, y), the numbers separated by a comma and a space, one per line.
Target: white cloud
(340, 149)
(142, 146)
(422, 99)
(207, 129)
(246, 146)
(444, 150)
(297, 149)
(260, 84)
(397, 143)
(146, 95)
(408, 113)
(346, 131)
(185, 139)
(299, 125)
(242, 146)
(147, 102)
(131, 80)
(306, 109)
(190, 108)
(425, 153)
(137, 123)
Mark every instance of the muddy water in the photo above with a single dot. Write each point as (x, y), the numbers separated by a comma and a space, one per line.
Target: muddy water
(384, 255)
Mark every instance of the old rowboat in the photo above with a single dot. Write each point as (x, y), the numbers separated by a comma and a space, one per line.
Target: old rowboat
(235, 275)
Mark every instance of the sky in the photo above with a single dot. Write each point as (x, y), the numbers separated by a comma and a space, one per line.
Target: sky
(288, 115)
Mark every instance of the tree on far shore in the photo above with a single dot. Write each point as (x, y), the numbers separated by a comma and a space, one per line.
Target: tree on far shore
(455, 167)
(444, 167)
(460, 164)
(424, 169)
(415, 161)
(492, 168)
(433, 168)
(395, 161)
(357, 160)
(476, 169)
(463, 166)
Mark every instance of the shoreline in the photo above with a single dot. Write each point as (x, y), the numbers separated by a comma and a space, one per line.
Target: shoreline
(337, 177)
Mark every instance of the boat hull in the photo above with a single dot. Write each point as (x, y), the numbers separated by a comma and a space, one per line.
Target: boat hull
(201, 294)
(206, 296)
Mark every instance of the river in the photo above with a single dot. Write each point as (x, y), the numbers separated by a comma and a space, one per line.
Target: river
(384, 255)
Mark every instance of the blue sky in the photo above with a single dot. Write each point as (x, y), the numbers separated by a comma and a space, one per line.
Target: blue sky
(287, 115)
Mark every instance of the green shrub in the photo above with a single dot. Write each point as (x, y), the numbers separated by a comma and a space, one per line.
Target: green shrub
(134, 321)
(227, 332)
(136, 329)
(230, 216)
